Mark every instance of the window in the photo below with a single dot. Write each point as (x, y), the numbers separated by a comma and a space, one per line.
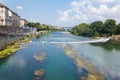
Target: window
(1, 20)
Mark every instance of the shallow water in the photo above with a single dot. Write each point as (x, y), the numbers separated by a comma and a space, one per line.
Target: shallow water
(57, 66)
(21, 65)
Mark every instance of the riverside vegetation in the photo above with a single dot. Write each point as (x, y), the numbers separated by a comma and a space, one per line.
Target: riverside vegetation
(10, 49)
(42, 27)
(13, 47)
(97, 29)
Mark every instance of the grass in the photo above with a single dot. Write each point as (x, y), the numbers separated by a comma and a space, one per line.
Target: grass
(10, 49)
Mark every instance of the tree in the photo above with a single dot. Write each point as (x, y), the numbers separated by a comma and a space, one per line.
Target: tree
(82, 29)
(31, 24)
(74, 32)
(110, 27)
(97, 26)
(118, 29)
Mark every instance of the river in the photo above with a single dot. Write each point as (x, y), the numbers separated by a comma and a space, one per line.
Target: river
(57, 66)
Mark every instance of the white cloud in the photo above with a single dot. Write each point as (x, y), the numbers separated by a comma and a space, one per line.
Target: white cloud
(64, 15)
(115, 8)
(67, 12)
(88, 11)
(19, 7)
(103, 7)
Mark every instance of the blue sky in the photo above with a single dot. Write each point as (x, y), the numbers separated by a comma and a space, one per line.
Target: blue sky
(65, 12)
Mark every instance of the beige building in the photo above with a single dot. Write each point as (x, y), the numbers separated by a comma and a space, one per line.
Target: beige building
(23, 22)
(8, 17)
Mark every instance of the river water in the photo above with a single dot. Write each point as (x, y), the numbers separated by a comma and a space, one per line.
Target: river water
(57, 66)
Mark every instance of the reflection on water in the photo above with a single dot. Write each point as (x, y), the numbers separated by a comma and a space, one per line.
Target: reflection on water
(57, 66)
(104, 60)
(22, 65)
(109, 46)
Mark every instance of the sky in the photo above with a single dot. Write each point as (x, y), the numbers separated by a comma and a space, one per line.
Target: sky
(65, 13)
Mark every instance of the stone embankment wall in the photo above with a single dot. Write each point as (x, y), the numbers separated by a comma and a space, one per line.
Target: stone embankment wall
(6, 40)
(116, 38)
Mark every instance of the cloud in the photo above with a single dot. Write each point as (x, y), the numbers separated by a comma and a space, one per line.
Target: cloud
(105, 1)
(19, 7)
(89, 11)
(65, 15)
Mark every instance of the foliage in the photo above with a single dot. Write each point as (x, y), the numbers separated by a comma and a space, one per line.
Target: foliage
(41, 27)
(80, 29)
(97, 28)
(110, 27)
(10, 49)
(31, 24)
(118, 28)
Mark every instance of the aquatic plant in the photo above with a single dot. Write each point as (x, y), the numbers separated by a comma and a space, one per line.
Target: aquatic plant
(86, 70)
(40, 57)
(39, 72)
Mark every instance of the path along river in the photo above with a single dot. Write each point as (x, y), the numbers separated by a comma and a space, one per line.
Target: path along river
(21, 66)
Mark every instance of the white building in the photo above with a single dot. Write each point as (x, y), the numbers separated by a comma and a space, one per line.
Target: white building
(8, 17)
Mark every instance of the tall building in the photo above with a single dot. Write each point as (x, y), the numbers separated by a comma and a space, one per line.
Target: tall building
(23, 22)
(8, 17)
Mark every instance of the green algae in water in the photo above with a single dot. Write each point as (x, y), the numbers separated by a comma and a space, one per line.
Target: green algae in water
(88, 70)
(39, 72)
(40, 57)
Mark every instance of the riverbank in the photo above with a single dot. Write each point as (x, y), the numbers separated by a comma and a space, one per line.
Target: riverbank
(12, 47)
(9, 50)
(86, 70)
(115, 38)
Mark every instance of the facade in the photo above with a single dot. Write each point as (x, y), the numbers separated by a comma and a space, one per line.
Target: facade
(10, 23)
(8, 17)
(23, 22)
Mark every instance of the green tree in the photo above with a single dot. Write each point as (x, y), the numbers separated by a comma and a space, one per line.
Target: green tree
(74, 32)
(110, 27)
(97, 26)
(82, 28)
(31, 24)
(118, 29)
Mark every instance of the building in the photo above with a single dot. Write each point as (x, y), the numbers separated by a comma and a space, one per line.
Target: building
(8, 17)
(23, 22)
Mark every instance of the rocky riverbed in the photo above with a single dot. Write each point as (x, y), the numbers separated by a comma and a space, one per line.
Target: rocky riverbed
(86, 70)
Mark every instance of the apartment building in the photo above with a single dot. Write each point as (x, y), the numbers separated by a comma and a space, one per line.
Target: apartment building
(23, 22)
(8, 17)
